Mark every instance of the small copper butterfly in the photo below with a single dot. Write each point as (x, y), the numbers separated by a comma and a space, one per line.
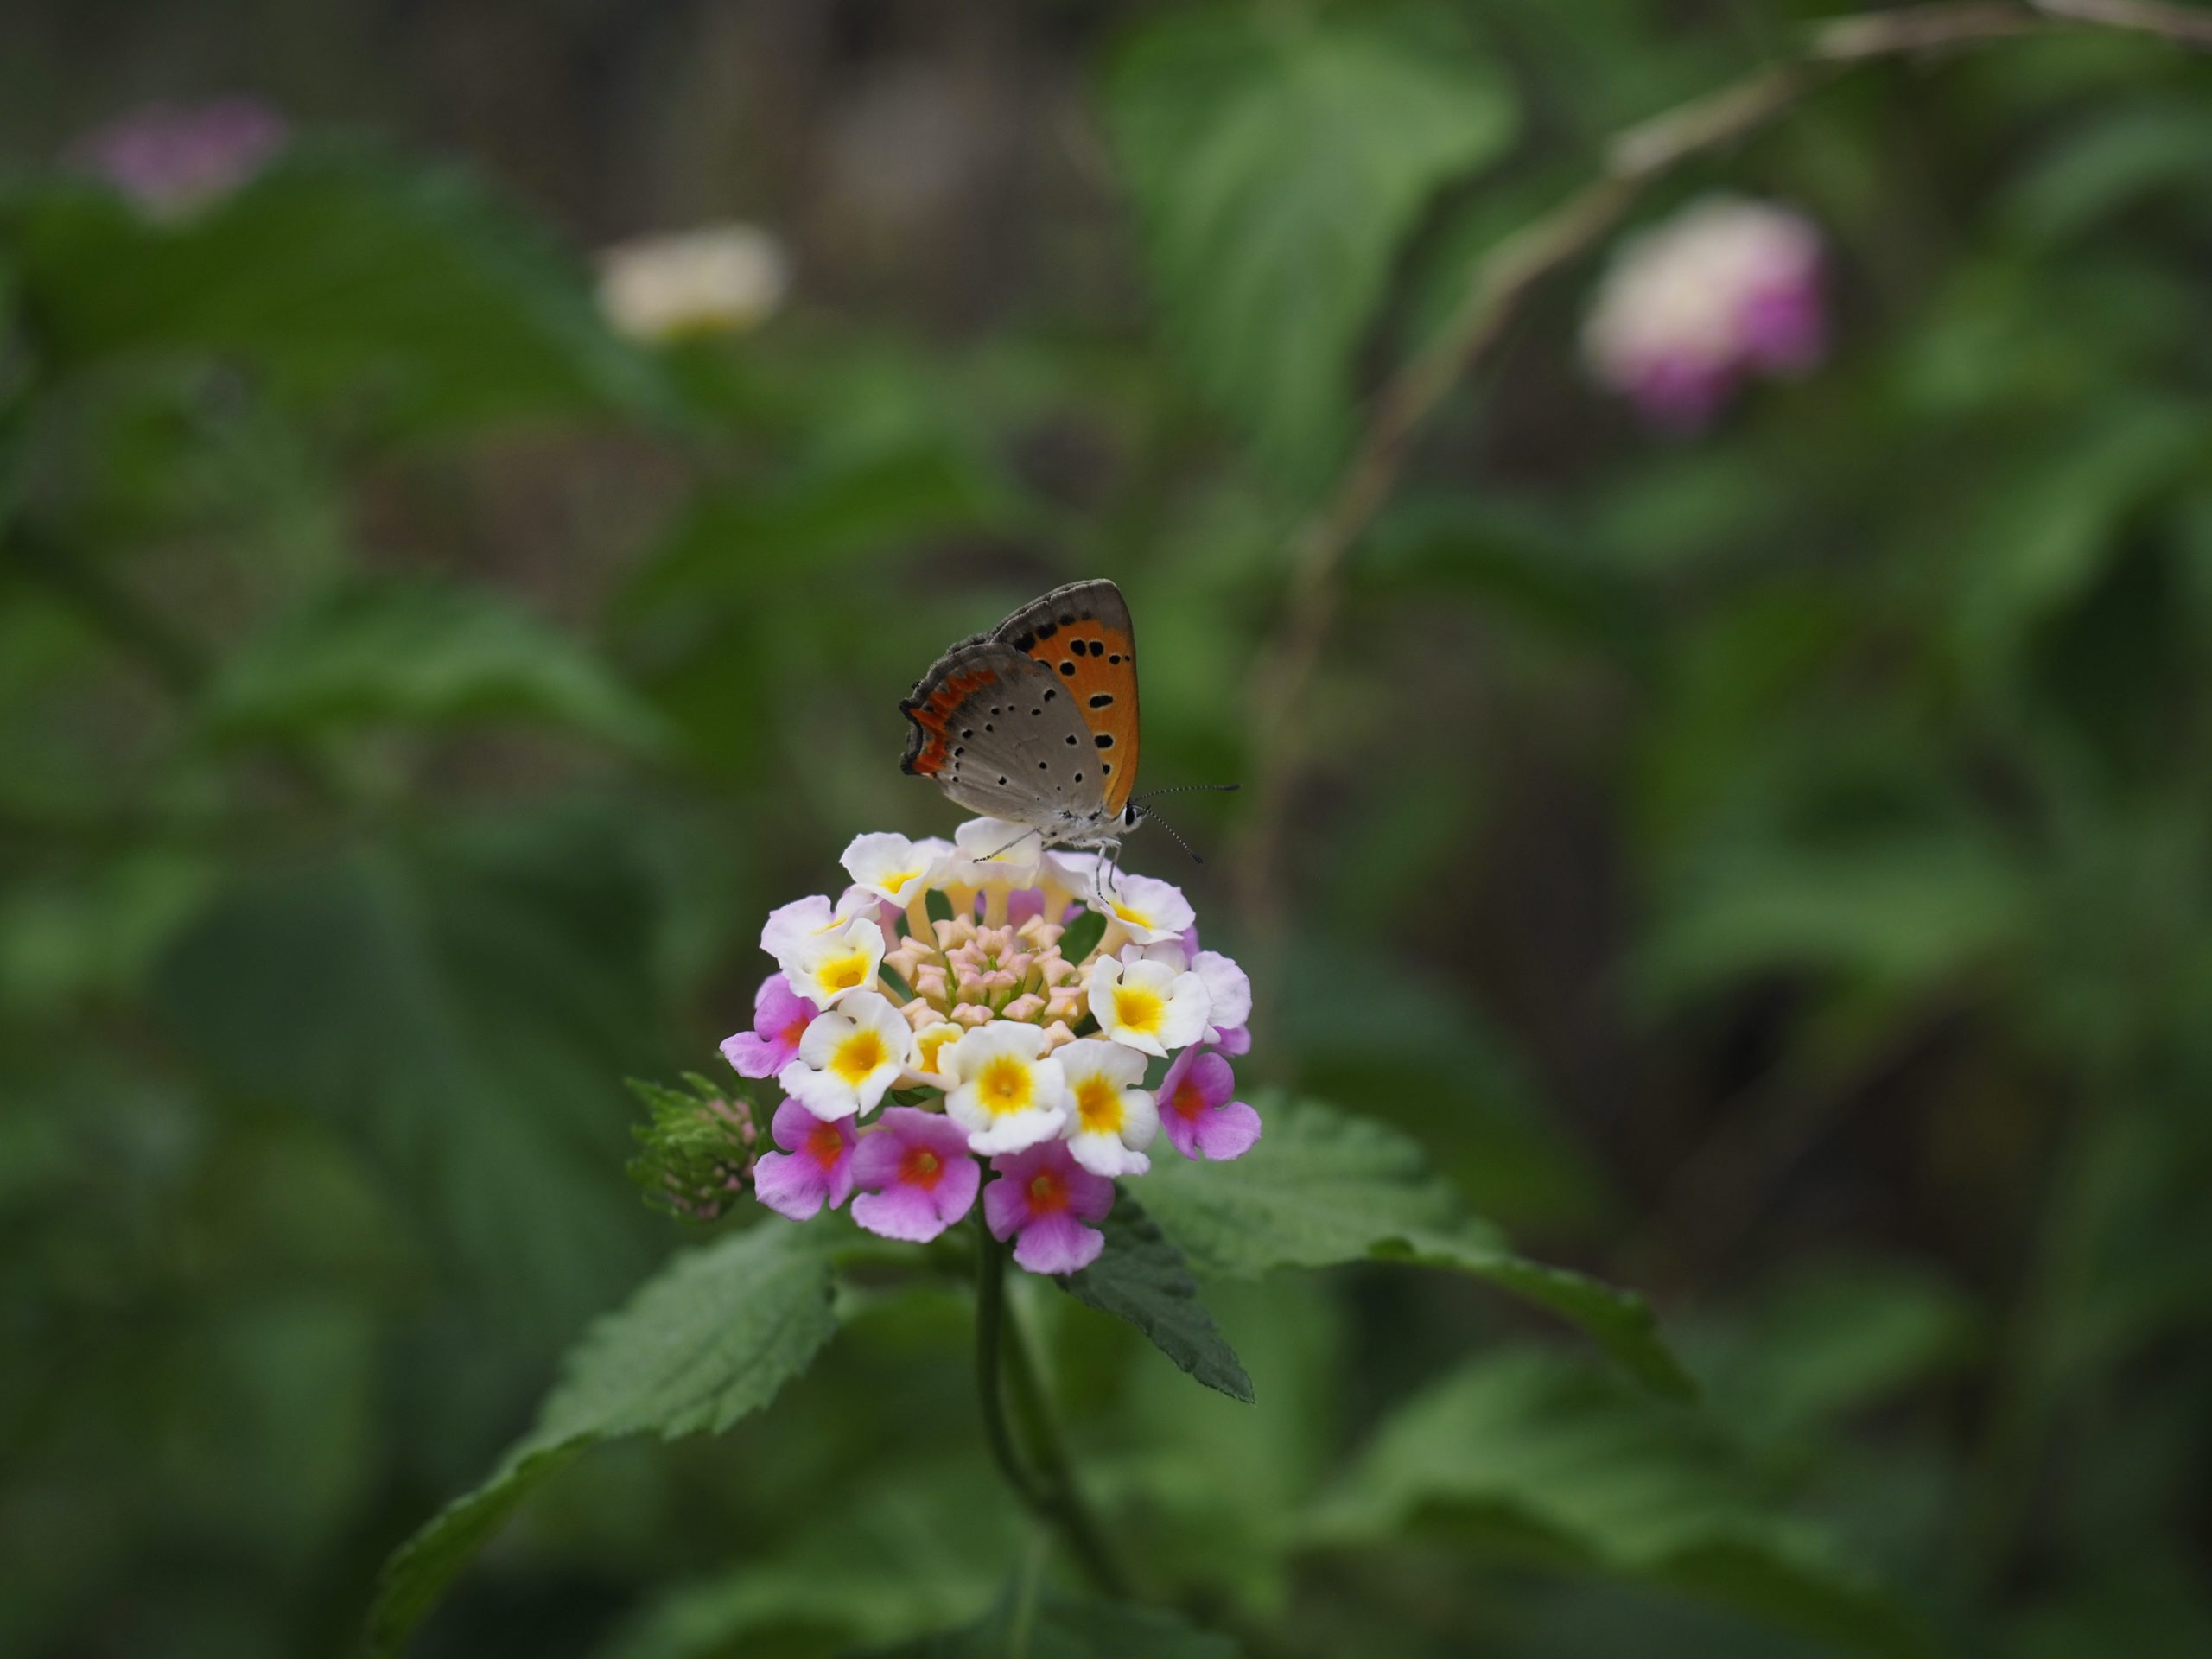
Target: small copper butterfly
(1036, 721)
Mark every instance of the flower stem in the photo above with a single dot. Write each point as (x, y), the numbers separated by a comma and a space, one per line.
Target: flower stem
(1053, 1495)
(990, 1326)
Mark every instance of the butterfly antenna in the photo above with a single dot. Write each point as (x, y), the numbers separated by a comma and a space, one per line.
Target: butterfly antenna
(1182, 789)
(1154, 817)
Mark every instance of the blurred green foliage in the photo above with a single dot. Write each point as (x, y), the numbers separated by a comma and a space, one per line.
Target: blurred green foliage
(1768, 869)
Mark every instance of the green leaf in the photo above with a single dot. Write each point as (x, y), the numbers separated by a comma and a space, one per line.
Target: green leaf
(1045, 1624)
(1278, 158)
(1905, 907)
(936, 905)
(1322, 1188)
(1839, 1337)
(709, 1338)
(936, 1539)
(461, 1003)
(376, 650)
(1083, 935)
(412, 291)
(2143, 148)
(1533, 1459)
(901, 991)
(1141, 1278)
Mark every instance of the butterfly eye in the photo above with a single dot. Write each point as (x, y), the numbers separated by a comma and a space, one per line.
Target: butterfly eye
(1132, 815)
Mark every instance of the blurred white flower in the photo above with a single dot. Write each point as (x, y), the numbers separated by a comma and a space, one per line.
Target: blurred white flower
(715, 279)
(1726, 289)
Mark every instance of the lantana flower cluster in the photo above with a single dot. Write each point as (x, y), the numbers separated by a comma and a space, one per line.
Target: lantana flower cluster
(941, 1029)
(1725, 290)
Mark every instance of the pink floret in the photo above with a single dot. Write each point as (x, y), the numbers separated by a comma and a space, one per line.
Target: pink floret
(916, 1175)
(1041, 1200)
(1197, 1112)
(814, 1168)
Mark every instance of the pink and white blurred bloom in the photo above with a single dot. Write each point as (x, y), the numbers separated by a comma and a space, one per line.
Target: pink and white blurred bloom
(1197, 1112)
(1041, 1200)
(1148, 1005)
(916, 1175)
(779, 1018)
(1007, 1093)
(1726, 289)
(850, 1055)
(1114, 1120)
(171, 158)
(814, 1168)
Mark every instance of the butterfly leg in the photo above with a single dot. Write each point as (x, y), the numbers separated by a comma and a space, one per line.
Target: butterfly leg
(1002, 851)
(1109, 858)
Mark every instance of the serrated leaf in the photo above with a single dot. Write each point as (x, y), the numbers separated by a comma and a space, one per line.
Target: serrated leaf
(409, 289)
(1141, 1277)
(1531, 1458)
(372, 652)
(1045, 1624)
(709, 1338)
(460, 1004)
(1278, 158)
(1321, 1189)
(1083, 935)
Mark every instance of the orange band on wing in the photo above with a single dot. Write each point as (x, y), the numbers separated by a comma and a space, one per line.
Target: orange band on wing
(928, 754)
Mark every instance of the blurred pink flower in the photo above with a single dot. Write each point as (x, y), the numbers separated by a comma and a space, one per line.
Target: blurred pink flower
(1725, 289)
(170, 158)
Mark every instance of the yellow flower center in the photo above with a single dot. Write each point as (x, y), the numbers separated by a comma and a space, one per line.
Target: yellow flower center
(844, 973)
(1099, 1103)
(932, 1043)
(1138, 1009)
(857, 1056)
(1004, 1086)
(897, 880)
(1133, 917)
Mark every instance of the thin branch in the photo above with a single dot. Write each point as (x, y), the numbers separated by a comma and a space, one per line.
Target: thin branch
(1636, 159)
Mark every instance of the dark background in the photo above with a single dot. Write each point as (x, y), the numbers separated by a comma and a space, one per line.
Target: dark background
(1766, 868)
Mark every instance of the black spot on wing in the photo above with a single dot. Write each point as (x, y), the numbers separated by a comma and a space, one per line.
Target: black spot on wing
(1097, 701)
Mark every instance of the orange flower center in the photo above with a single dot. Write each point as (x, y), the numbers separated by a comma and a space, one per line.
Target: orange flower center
(825, 1144)
(1189, 1100)
(1046, 1193)
(921, 1167)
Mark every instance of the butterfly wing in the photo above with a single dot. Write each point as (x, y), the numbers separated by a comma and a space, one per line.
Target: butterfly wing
(1000, 732)
(1082, 635)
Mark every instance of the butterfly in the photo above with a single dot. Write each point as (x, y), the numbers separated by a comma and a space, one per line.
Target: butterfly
(1036, 721)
